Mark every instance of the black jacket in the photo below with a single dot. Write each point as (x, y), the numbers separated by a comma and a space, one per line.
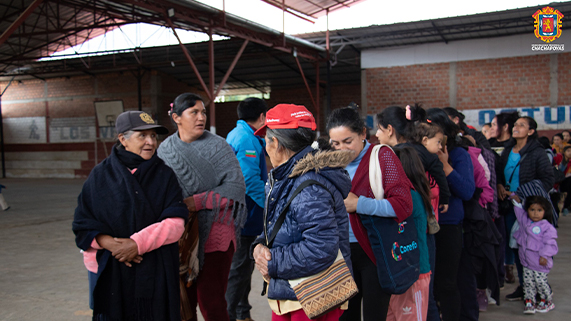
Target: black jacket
(433, 166)
(115, 202)
(535, 165)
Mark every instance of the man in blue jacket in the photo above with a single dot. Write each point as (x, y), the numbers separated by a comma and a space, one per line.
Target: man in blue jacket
(250, 152)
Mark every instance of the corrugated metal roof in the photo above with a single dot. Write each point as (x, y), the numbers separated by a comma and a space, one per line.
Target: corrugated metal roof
(312, 8)
(485, 25)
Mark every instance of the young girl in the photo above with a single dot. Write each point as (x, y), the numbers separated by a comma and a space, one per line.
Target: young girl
(418, 294)
(432, 138)
(537, 246)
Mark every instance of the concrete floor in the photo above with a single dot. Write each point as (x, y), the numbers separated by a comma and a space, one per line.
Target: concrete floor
(42, 276)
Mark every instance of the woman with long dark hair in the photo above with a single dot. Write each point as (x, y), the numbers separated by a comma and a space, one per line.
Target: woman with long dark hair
(418, 294)
(522, 162)
(213, 188)
(502, 126)
(459, 172)
(347, 131)
(400, 127)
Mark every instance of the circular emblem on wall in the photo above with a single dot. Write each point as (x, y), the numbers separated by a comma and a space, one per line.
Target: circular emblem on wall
(147, 118)
(536, 230)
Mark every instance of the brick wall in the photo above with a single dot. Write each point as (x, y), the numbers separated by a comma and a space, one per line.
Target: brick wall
(427, 84)
(506, 82)
(564, 79)
(489, 83)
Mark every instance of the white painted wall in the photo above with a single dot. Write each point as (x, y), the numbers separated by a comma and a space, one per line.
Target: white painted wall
(24, 130)
(476, 49)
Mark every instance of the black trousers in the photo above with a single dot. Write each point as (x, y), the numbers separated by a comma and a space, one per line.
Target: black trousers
(375, 301)
(239, 280)
(448, 253)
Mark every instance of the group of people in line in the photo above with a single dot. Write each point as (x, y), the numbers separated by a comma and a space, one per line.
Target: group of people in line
(164, 229)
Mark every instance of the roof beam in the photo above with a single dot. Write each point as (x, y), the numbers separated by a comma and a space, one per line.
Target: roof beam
(19, 21)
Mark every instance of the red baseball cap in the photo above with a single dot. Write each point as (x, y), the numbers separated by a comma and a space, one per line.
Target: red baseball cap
(287, 116)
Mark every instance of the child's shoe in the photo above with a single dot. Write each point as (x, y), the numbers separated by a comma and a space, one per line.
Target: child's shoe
(529, 307)
(544, 307)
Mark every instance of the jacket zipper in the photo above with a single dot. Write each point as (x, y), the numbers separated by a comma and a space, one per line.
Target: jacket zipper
(271, 180)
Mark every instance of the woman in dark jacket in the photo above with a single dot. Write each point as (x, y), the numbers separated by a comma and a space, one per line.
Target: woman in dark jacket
(128, 220)
(449, 258)
(522, 161)
(347, 132)
(316, 226)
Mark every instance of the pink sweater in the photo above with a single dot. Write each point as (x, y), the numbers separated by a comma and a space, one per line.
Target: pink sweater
(221, 234)
(148, 239)
(487, 195)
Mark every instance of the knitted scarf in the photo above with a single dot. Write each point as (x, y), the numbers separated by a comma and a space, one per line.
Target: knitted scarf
(208, 164)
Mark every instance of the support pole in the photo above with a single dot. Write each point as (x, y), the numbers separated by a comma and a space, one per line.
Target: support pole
(212, 81)
(2, 141)
(305, 81)
(2, 131)
(139, 89)
(317, 105)
(229, 71)
(185, 51)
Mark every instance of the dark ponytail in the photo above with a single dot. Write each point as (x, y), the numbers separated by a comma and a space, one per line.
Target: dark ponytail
(414, 170)
(396, 117)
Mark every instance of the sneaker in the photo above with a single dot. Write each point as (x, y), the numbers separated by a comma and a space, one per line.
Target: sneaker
(489, 295)
(529, 307)
(517, 295)
(544, 307)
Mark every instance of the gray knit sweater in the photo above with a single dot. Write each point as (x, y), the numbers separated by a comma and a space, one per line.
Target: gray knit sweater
(208, 164)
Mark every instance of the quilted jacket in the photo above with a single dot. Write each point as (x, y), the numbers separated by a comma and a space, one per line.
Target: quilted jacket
(316, 224)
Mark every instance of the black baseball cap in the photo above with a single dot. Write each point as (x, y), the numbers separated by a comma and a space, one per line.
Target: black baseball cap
(137, 121)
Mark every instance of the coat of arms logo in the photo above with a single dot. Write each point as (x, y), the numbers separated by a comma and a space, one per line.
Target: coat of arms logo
(547, 24)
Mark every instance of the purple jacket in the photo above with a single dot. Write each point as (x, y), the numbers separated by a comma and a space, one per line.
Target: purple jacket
(487, 195)
(535, 240)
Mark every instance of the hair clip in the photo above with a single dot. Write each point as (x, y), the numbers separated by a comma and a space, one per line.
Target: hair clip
(408, 112)
(429, 121)
(170, 111)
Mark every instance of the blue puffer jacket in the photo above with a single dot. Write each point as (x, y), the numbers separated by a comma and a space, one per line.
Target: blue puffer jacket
(316, 225)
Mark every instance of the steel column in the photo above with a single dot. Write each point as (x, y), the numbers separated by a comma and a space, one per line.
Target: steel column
(317, 105)
(2, 131)
(212, 81)
(305, 81)
(234, 62)
(185, 51)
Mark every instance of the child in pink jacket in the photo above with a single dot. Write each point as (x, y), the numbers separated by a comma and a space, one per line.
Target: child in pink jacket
(537, 243)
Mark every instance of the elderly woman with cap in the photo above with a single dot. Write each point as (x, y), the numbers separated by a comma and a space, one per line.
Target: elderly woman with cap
(316, 226)
(129, 217)
(212, 186)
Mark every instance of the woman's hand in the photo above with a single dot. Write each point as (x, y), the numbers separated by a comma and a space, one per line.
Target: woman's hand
(127, 250)
(502, 193)
(514, 196)
(443, 208)
(542, 261)
(443, 156)
(351, 203)
(262, 256)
